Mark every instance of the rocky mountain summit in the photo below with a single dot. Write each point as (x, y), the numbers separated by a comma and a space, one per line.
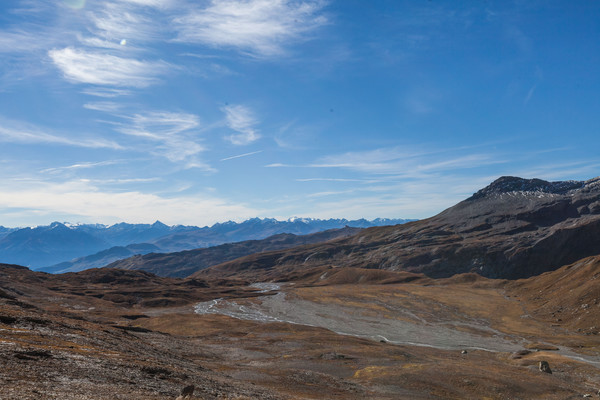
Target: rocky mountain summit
(513, 228)
(511, 184)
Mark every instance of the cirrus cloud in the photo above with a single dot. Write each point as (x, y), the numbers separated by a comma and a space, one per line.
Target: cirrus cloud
(258, 27)
(27, 133)
(172, 135)
(242, 120)
(80, 66)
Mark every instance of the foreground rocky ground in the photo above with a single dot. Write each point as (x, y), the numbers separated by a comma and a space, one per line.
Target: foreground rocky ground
(107, 334)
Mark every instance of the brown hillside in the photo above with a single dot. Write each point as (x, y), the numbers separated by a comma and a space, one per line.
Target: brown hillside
(184, 263)
(569, 296)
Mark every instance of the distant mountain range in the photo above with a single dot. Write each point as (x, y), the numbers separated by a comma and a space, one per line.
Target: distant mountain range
(256, 229)
(123, 234)
(66, 247)
(45, 245)
(513, 228)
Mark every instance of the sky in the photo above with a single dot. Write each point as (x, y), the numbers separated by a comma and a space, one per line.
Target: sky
(202, 111)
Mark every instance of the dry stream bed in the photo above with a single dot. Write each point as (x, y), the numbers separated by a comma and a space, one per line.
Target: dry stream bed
(403, 315)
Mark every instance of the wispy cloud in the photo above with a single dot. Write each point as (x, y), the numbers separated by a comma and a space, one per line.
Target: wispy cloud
(125, 181)
(529, 95)
(241, 119)
(83, 165)
(102, 43)
(403, 202)
(130, 20)
(257, 27)
(81, 66)
(106, 92)
(174, 135)
(330, 180)
(329, 193)
(160, 124)
(280, 165)
(50, 28)
(20, 132)
(20, 41)
(104, 106)
(405, 199)
(241, 155)
(403, 163)
(397, 181)
(160, 4)
(561, 170)
(23, 51)
(299, 136)
(414, 183)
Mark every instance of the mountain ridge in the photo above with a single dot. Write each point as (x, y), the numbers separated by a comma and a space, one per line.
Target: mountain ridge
(503, 233)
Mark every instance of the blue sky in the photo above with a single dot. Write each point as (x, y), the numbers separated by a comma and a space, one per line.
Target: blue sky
(195, 112)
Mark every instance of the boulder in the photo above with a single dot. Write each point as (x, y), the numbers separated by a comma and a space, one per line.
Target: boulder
(545, 367)
(186, 393)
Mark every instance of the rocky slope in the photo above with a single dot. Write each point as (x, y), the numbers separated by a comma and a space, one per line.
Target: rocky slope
(185, 263)
(513, 228)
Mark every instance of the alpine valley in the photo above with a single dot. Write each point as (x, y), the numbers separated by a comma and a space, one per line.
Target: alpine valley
(497, 297)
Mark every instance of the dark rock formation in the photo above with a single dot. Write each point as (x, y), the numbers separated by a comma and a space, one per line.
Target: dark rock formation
(545, 367)
(187, 391)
